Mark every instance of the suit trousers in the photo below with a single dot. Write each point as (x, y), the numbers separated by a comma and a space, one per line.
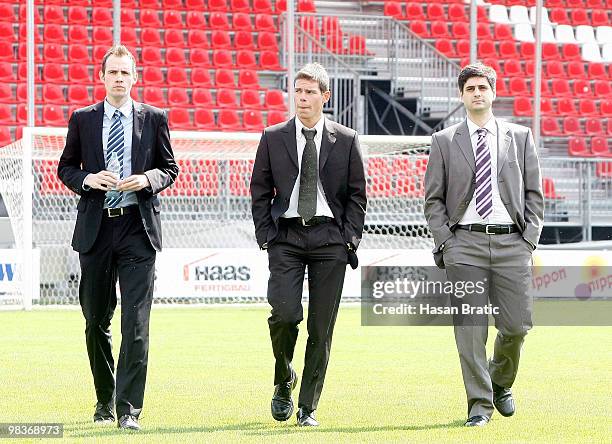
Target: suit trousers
(502, 263)
(121, 251)
(320, 248)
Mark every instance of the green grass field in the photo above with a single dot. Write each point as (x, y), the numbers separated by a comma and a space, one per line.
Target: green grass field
(210, 380)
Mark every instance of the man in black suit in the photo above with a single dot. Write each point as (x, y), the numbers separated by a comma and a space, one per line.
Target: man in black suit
(309, 204)
(117, 158)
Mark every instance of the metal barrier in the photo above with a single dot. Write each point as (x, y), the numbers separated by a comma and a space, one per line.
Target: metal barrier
(374, 48)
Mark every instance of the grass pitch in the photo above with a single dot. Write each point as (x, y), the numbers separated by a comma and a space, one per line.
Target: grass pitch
(211, 369)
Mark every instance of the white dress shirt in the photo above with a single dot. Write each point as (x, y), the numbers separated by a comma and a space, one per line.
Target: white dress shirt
(499, 215)
(322, 206)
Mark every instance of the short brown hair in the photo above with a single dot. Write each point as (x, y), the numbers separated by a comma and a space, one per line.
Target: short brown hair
(316, 72)
(119, 51)
(476, 70)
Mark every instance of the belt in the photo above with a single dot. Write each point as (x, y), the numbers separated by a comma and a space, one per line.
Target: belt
(490, 228)
(316, 220)
(116, 212)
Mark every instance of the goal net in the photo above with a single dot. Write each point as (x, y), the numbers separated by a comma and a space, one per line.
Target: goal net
(205, 212)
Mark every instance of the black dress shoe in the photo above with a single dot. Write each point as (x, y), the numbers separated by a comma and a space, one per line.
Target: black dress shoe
(104, 412)
(477, 421)
(282, 404)
(503, 401)
(306, 418)
(128, 422)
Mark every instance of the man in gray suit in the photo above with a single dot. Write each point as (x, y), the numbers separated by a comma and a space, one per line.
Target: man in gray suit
(484, 207)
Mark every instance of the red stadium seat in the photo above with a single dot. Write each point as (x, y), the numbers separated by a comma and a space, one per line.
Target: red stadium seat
(177, 76)
(152, 75)
(571, 52)
(195, 5)
(419, 27)
(241, 21)
(599, 17)
(99, 93)
(560, 88)
(546, 107)
(559, 16)
(53, 115)
(220, 40)
(53, 72)
(175, 57)
(575, 70)
(274, 99)
(179, 118)
(602, 89)
(445, 46)
(246, 59)
(53, 14)
(101, 16)
(200, 77)
(582, 88)
(128, 19)
(177, 97)
(52, 52)
(53, 94)
(566, 107)
(268, 60)
(150, 37)
(513, 68)
(265, 22)
(577, 147)
(224, 78)
(262, 6)
(77, 15)
(484, 31)
(195, 20)
(247, 78)
(54, 33)
(243, 40)
(435, 11)
(335, 43)
(78, 34)
(548, 187)
(527, 50)
(196, 38)
(129, 37)
(240, 6)
(606, 108)
(579, 17)
(78, 95)
(330, 25)
(6, 93)
(486, 48)
(102, 36)
(456, 13)
(7, 116)
(250, 99)
(507, 50)
(306, 6)
(439, 29)
(550, 127)
(218, 5)
(502, 31)
(550, 51)
(518, 86)
(460, 30)
(253, 120)
(226, 98)
(199, 57)
(463, 48)
(571, 126)
(555, 69)
(205, 119)
(600, 147)
(266, 41)
(588, 108)
(149, 18)
(153, 95)
(275, 117)
(218, 20)
(79, 73)
(174, 37)
(202, 97)
(500, 88)
(229, 120)
(173, 19)
(394, 9)
(5, 136)
(222, 58)
(357, 46)
(414, 11)
(522, 107)
(594, 127)
(597, 71)
(151, 55)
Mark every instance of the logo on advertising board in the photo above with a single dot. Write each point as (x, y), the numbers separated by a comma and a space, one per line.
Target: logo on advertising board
(217, 272)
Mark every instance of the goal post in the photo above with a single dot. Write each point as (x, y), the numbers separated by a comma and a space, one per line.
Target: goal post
(208, 208)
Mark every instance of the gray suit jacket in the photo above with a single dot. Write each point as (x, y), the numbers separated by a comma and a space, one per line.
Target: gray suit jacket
(450, 181)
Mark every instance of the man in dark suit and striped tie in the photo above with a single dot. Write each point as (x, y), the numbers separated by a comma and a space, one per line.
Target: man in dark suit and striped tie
(484, 207)
(117, 158)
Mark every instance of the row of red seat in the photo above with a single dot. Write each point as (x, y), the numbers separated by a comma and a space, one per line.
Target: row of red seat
(557, 88)
(523, 107)
(572, 126)
(596, 147)
(454, 12)
(591, 4)
(256, 6)
(508, 49)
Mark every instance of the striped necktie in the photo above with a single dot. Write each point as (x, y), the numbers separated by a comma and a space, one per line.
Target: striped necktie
(484, 195)
(114, 157)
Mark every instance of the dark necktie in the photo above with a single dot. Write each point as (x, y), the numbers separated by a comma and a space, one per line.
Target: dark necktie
(307, 201)
(114, 157)
(484, 195)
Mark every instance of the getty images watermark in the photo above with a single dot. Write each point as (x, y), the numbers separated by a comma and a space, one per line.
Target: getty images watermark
(428, 296)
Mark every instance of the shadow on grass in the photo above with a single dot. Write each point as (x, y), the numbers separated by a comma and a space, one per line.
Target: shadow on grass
(87, 429)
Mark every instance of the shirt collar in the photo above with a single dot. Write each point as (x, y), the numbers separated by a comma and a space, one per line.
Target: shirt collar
(126, 108)
(490, 126)
(318, 126)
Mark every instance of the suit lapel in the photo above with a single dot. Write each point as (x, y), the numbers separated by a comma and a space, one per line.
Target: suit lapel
(327, 143)
(462, 140)
(138, 124)
(97, 116)
(503, 143)
(290, 142)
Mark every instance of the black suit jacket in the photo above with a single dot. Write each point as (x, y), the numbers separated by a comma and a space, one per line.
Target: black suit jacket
(83, 154)
(340, 170)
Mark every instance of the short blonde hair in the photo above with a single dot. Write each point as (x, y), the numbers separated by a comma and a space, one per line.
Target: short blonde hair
(316, 72)
(119, 51)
